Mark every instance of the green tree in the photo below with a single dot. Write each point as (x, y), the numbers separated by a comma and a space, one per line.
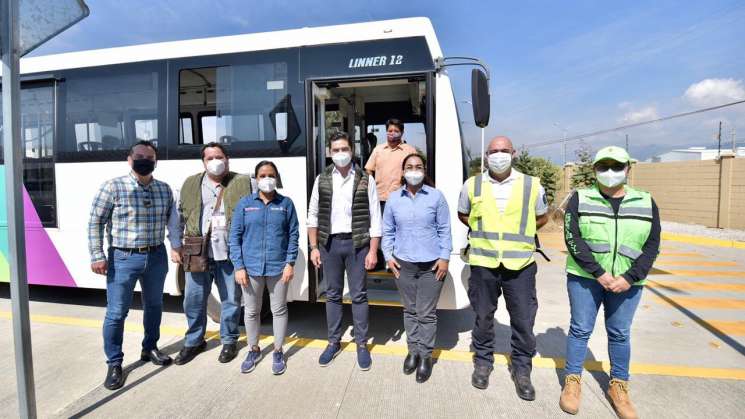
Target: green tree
(584, 173)
(474, 163)
(547, 172)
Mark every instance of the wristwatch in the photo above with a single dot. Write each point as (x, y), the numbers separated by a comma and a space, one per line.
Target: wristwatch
(313, 246)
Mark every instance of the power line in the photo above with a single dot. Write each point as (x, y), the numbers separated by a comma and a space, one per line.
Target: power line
(637, 124)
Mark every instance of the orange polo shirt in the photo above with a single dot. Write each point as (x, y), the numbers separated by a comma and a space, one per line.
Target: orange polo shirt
(386, 162)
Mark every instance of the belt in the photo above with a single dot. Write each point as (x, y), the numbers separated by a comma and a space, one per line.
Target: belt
(144, 249)
(342, 236)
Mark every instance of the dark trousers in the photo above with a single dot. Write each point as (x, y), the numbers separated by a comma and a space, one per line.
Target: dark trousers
(338, 256)
(484, 288)
(420, 291)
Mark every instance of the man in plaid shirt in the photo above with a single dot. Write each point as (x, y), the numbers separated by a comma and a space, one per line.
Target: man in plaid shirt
(134, 210)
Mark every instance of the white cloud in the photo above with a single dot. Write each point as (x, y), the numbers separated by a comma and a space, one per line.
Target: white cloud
(633, 116)
(712, 92)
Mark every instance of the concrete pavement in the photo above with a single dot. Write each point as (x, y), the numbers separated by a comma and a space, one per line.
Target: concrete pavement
(688, 357)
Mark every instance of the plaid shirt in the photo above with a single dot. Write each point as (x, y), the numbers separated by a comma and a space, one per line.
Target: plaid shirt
(134, 215)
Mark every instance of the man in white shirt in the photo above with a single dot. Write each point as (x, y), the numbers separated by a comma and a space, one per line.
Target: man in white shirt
(344, 230)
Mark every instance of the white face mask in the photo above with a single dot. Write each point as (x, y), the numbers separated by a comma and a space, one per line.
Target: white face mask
(611, 178)
(342, 158)
(267, 184)
(216, 167)
(414, 177)
(500, 162)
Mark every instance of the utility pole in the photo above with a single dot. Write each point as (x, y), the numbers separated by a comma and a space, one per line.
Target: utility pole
(734, 143)
(627, 143)
(719, 139)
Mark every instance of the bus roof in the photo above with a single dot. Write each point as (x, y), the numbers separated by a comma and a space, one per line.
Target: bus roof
(385, 29)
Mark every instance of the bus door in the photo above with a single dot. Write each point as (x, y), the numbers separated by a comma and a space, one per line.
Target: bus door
(360, 107)
(37, 135)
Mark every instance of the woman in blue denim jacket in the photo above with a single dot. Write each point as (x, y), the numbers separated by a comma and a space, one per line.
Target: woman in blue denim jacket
(263, 248)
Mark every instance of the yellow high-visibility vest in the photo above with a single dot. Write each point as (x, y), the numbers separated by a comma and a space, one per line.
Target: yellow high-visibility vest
(502, 237)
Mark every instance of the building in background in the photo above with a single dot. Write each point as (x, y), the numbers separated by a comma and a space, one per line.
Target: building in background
(695, 153)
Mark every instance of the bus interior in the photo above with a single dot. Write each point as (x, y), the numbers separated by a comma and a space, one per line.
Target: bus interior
(361, 108)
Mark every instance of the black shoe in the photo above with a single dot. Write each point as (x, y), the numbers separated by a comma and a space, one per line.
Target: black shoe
(424, 370)
(410, 363)
(155, 356)
(114, 377)
(228, 353)
(480, 376)
(187, 353)
(523, 386)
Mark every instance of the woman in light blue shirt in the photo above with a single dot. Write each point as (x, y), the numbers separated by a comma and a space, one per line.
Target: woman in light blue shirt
(416, 246)
(263, 247)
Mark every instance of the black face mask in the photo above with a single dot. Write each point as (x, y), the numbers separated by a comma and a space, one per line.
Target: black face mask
(143, 167)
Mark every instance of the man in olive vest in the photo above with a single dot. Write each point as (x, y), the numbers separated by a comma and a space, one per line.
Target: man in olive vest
(198, 197)
(344, 230)
(612, 233)
(503, 209)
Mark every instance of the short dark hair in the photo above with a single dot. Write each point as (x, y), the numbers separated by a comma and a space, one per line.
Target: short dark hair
(427, 180)
(341, 135)
(268, 163)
(146, 143)
(212, 145)
(396, 123)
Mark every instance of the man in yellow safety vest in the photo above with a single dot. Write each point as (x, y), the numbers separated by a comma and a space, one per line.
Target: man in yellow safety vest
(503, 208)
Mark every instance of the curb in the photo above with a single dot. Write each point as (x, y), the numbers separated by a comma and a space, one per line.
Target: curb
(702, 241)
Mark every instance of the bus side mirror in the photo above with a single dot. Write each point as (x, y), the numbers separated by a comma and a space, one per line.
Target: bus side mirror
(480, 98)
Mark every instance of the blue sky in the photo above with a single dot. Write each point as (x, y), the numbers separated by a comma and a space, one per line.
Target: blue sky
(577, 66)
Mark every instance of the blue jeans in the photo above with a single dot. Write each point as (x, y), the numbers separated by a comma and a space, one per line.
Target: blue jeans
(125, 269)
(585, 297)
(198, 288)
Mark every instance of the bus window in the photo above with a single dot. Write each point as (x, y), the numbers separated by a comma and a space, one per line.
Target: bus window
(237, 104)
(146, 129)
(108, 111)
(185, 131)
(37, 136)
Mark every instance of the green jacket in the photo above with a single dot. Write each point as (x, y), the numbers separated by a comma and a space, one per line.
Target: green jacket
(190, 202)
(615, 240)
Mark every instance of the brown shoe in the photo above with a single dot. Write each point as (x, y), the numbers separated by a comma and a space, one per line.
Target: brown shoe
(570, 395)
(618, 392)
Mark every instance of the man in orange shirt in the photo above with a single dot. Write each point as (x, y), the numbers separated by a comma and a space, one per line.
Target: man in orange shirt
(386, 159)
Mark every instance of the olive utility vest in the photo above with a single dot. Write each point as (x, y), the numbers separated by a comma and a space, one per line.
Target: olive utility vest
(236, 187)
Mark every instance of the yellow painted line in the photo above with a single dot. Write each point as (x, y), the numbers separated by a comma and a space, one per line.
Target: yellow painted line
(693, 302)
(444, 354)
(696, 286)
(729, 327)
(702, 241)
(679, 254)
(736, 274)
(693, 263)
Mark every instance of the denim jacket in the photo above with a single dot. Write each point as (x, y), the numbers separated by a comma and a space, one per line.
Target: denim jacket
(264, 237)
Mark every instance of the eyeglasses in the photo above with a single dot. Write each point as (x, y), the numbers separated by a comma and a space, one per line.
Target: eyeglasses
(615, 166)
(146, 201)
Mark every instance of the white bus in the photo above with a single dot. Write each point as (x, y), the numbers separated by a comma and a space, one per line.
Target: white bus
(275, 95)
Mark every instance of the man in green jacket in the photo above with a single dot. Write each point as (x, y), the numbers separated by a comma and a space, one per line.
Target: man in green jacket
(215, 186)
(612, 233)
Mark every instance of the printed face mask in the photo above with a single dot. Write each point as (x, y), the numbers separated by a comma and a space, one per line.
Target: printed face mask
(393, 136)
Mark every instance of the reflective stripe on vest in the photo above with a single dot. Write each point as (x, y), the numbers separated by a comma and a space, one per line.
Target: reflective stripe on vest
(514, 245)
(615, 241)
